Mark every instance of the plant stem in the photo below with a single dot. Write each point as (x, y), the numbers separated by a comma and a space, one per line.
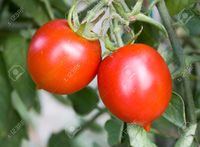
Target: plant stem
(124, 5)
(190, 107)
(172, 34)
(48, 8)
(198, 113)
(117, 33)
(88, 123)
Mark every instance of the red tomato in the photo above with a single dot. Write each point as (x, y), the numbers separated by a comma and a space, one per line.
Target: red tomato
(60, 61)
(135, 84)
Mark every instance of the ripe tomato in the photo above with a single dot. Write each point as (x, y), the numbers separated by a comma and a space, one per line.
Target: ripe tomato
(135, 84)
(60, 61)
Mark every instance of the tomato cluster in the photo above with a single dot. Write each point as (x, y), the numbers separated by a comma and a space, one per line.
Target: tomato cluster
(134, 82)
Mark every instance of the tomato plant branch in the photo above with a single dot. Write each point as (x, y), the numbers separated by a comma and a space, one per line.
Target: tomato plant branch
(88, 123)
(48, 8)
(190, 107)
(117, 33)
(198, 113)
(124, 5)
(178, 51)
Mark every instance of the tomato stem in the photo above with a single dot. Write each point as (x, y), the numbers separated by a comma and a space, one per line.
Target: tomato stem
(137, 8)
(198, 113)
(124, 5)
(117, 32)
(89, 122)
(189, 102)
(178, 51)
(48, 8)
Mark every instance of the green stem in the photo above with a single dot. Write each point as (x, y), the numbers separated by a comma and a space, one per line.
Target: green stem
(118, 7)
(70, 18)
(172, 34)
(92, 13)
(124, 136)
(144, 18)
(137, 8)
(48, 8)
(117, 32)
(189, 102)
(124, 5)
(88, 123)
(198, 113)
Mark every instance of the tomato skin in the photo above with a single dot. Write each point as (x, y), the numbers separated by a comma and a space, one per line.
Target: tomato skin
(135, 84)
(60, 61)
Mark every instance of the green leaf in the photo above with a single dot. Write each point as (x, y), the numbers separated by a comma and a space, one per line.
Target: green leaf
(34, 9)
(114, 128)
(95, 127)
(149, 20)
(15, 50)
(187, 138)
(84, 101)
(60, 139)
(12, 129)
(14, 140)
(138, 137)
(165, 128)
(176, 6)
(193, 25)
(175, 112)
(5, 100)
(150, 35)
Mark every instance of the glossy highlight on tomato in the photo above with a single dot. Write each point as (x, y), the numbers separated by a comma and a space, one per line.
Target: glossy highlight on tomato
(135, 84)
(60, 61)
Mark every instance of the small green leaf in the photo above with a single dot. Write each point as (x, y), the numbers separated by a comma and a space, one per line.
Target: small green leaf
(175, 112)
(187, 138)
(144, 18)
(150, 34)
(84, 101)
(33, 9)
(15, 51)
(59, 140)
(114, 128)
(138, 137)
